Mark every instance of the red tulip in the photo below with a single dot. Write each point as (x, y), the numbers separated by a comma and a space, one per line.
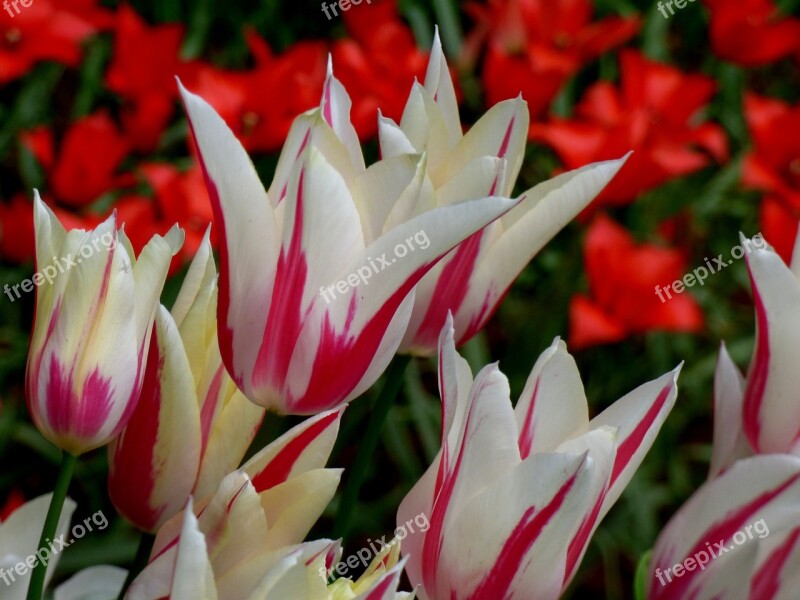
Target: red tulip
(622, 278)
(89, 155)
(752, 32)
(773, 167)
(534, 46)
(146, 60)
(652, 112)
(46, 30)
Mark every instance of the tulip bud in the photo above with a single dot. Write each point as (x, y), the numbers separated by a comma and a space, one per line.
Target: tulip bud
(95, 305)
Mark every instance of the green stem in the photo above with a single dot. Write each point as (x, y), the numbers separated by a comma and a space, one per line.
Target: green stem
(140, 562)
(36, 587)
(369, 443)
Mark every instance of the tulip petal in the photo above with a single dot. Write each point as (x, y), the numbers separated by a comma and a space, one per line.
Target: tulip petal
(777, 575)
(544, 211)
(153, 463)
(521, 548)
(244, 221)
(730, 443)
(771, 416)
(439, 85)
(305, 447)
(501, 133)
(553, 406)
(194, 576)
(292, 507)
(335, 108)
(94, 583)
(638, 417)
(19, 539)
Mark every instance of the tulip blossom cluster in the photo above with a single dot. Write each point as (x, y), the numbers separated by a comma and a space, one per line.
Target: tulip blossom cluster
(284, 308)
(177, 408)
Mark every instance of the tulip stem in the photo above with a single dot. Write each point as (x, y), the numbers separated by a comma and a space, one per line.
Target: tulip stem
(366, 449)
(143, 551)
(36, 587)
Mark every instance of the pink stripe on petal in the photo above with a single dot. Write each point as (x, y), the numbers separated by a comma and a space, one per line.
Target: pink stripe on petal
(450, 291)
(759, 372)
(526, 435)
(482, 315)
(766, 583)
(326, 105)
(497, 582)
(581, 539)
(506, 138)
(209, 408)
(343, 357)
(285, 318)
(132, 467)
(446, 482)
(74, 417)
(631, 444)
(385, 585)
(303, 145)
(280, 467)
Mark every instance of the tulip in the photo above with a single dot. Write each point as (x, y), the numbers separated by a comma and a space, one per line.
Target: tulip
(289, 574)
(95, 306)
(472, 279)
(19, 535)
(192, 426)
(269, 503)
(738, 536)
(312, 303)
(514, 495)
(201, 565)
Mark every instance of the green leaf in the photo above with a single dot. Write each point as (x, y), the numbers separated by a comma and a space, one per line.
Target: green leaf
(642, 576)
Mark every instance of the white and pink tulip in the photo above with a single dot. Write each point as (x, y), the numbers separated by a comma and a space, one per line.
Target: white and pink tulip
(91, 332)
(473, 278)
(325, 217)
(515, 494)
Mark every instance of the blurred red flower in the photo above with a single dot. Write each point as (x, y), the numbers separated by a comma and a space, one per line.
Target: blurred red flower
(773, 166)
(377, 64)
(85, 165)
(142, 71)
(653, 112)
(534, 46)
(260, 104)
(623, 276)
(177, 197)
(752, 32)
(14, 500)
(47, 30)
